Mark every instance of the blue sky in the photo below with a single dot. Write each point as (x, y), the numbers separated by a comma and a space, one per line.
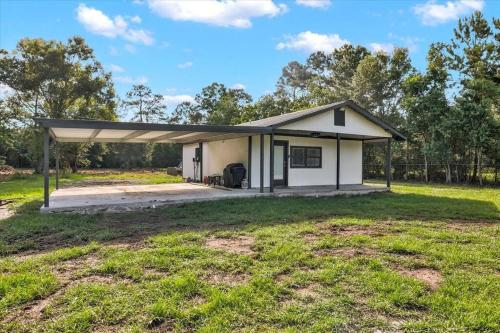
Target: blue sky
(178, 48)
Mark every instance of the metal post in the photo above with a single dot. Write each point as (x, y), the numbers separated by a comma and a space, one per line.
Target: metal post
(271, 162)
(388, 163)
(249, 177)
(362, 162)
(46, 167)
(57, 165)
(201, 162)
(262, 163)
(338, 161)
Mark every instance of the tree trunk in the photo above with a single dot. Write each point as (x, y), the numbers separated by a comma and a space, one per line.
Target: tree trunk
(474, 167)
(426, 171)
(456, 173)
(448, 172)
(406, 163)
(480, 178)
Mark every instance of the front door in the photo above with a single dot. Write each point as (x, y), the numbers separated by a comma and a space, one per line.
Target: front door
(280, 163)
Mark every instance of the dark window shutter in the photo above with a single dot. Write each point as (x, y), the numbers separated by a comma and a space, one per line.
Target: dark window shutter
(339, 117)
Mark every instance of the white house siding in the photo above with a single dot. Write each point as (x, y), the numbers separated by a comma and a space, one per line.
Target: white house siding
(221, 153)
(324, 122)
(216, 155)
(350, 162)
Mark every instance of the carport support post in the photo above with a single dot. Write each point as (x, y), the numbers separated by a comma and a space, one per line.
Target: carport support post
(201, 162)
(46, 167)
(338, 162)
(57, 165)
(271, 162)
(262, 163)
(249, 176)
(388, 163)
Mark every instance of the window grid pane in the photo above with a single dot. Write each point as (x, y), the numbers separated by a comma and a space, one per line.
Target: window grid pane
(305, 157)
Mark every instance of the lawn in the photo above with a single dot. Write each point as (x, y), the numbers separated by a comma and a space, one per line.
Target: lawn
(423, 258)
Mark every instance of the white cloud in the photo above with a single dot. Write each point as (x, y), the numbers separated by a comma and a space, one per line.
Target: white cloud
(187, 64)
(131, 80)
(173, 100)
(228, 13)
(314, 3)
(5, 91)
(136, 19)
(130, 48)
(432, 13)
(238, 86)
(116, 69)
(99, 23)
(381, 47)
(311, 42)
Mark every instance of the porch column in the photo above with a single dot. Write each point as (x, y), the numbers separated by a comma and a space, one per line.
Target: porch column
(388, 162)
(262, 163)
(57, 165)
(200, 145)
(46, 167)
(271, 162)
(249, 177)
(338, 161)
(362, 162)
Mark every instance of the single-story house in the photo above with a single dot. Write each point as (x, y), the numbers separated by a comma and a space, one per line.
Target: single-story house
(318, 146)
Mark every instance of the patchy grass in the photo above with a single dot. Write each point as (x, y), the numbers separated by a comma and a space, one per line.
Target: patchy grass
(422, 258)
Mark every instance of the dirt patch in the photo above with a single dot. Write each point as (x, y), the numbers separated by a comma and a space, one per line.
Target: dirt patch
(309, 292)
(428, 275)
(464, 225)
(230, 279)
(347, 252)
(5, 213)
(311, 238)
(354, 230)
(240, 244)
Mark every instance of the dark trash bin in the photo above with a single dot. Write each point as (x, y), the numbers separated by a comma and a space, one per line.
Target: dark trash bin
(233, 174)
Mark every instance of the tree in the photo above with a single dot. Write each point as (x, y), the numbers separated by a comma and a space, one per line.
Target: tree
(377, 83)
(427, 110)
(215, 105)
(293, 81)
(148, 107)
(474, 53)
(56, 80)
(332, 74)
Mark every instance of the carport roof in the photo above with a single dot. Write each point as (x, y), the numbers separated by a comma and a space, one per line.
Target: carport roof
(126, 132)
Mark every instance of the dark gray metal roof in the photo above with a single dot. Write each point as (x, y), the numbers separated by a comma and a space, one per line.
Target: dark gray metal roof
(291, 117)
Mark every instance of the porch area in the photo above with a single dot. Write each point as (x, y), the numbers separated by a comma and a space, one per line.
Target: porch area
(123, 198)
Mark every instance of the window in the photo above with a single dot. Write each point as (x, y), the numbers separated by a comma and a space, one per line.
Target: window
(305, 157)
(339, 117)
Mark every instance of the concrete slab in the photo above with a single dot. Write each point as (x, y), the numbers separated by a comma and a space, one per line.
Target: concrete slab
(123, 198)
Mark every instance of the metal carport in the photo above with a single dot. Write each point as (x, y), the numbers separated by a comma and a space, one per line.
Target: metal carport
(125, 132)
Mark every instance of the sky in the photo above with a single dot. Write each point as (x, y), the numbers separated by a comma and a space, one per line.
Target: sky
(179, 47)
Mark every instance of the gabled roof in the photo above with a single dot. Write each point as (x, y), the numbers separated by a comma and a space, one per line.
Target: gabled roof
(287, 118)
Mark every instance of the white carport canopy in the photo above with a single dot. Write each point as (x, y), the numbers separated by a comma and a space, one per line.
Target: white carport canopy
(108, 131)
(123, 132)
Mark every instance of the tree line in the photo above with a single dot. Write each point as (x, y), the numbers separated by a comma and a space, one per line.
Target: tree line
(449, 111)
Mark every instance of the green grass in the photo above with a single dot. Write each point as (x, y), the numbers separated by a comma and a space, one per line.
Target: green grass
(341, 264)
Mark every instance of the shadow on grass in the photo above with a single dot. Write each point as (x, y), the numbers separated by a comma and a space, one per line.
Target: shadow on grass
(28, 230)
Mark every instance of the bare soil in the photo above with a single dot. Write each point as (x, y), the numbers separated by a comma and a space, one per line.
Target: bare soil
(239, 245)
(347, 252)
(230, 279)
(428, 275)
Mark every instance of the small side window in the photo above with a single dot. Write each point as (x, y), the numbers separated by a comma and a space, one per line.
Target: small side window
(339, 117)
